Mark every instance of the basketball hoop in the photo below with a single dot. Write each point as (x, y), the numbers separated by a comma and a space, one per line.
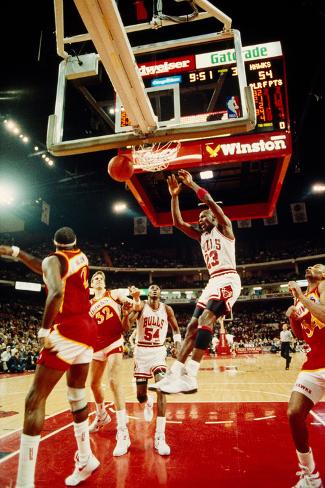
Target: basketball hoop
(155, 157)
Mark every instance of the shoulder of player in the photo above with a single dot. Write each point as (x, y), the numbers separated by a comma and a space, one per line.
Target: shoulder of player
(51, 260)
(321, 288)
(169, 309)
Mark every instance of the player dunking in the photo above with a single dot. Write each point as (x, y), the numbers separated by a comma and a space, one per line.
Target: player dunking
(307, 320)
(108, 349)
(67, 336)
(218, 248)
(152, 318)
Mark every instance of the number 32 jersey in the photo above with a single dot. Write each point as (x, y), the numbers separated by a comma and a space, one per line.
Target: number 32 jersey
(218, 252)
(152, 326)
(107, 313)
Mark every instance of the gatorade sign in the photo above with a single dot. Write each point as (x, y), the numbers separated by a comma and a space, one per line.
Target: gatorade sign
(250, 53)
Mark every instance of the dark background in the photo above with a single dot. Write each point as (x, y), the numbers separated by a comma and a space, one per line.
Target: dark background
(78, 188)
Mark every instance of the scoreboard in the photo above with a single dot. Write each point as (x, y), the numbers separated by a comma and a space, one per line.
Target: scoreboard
(205, 85)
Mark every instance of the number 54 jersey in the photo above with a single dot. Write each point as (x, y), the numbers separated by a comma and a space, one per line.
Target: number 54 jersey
(152, 326)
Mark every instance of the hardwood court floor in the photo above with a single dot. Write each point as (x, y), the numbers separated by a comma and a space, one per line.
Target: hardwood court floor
(232, 433)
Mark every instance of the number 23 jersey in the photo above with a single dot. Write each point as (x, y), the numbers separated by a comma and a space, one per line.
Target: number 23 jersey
(218, 252)
(152, 326)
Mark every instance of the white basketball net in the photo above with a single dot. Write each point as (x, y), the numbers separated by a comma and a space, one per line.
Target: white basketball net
(155, 157)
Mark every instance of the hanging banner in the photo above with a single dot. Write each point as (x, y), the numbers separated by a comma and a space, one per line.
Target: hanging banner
(244, 224)
(168, 229)
(45, 215)
(271, 220)
(299, 213)
(140, 226)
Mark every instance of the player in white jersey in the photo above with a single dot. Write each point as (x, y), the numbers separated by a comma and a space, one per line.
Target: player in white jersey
(218, 248)
(152, 318)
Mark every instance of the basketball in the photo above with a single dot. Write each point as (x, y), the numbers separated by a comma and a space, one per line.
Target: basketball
(120, 168)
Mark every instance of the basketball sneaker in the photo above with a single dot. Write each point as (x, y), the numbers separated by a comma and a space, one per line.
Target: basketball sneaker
(182, 384)
(160, 444)
(148, 409)
(82, 472)
(98, 423)
(166, 379)
(123, 442)
(308, 479)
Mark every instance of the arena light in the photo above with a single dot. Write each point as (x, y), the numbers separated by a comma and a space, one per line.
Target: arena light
(7, 194)
(23, 285)
(119, 207)
(206, 175)
(318, 188)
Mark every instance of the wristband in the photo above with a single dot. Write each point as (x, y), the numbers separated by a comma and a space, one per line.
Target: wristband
(43, 333)
(177, 338)
(15, 251)
(201, 192)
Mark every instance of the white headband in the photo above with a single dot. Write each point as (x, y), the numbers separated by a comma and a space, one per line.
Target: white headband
(65, 245)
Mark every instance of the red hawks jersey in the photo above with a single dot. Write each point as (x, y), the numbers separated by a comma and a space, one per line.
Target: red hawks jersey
(107, 313)
(218, 252)
(73, 319)
(152, 326)
(313, 331)
(76, 288)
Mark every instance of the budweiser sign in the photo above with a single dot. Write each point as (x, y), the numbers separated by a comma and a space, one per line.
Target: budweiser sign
(172, 65)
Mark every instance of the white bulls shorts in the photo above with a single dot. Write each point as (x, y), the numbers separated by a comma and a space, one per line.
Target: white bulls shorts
(148, 360)
(226, 287)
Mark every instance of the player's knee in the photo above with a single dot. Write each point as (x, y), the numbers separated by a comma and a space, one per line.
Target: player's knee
(113, 383)
(77, 399)
(95, 385)
(294, 413)
(203, 339)
(216, 307)
(33, 400)
(142, 397)
(191, 330)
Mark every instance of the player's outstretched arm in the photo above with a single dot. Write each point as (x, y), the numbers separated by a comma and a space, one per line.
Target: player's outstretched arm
(33, 263)
(206, 198)
(291, 313)
(137, 305)
(174, 189)
(177, 338)
(317, 309)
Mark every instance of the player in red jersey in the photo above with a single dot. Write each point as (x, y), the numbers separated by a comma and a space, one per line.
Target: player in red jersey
(67, 337)
(106, 310)
(218, 248)
(307, 320)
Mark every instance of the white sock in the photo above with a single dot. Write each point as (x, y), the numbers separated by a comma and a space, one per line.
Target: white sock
(192, 367)
(121, 419)
(160, 425)
(177, 367)
(101, 410)
(307, 459)
(81, 432)
(27, 459)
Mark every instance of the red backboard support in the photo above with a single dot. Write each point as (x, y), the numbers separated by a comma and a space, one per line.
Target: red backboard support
(271, 151)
